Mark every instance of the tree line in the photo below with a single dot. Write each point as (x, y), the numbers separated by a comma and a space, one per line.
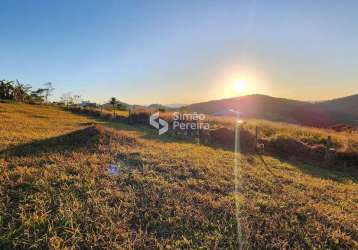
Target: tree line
(16, 91)
(19, 92)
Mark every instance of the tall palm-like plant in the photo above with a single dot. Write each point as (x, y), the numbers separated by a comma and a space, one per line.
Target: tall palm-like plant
(10, 90)
(114, 102)
(48, 90)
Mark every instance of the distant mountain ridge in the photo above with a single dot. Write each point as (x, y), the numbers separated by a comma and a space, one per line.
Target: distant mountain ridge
(326, 113)
(346, 106)
(175, 105)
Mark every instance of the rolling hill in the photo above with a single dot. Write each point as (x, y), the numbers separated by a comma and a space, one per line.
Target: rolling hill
(320, 114)
(345, 108)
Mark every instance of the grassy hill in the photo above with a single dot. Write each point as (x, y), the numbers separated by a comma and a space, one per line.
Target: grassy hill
(55, 192)
(285, 110)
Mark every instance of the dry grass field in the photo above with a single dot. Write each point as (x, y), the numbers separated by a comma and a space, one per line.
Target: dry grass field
(342, 141)
(55, 191)
(346, 141)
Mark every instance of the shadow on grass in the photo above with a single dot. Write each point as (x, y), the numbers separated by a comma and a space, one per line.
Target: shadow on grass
(39, 116)
(265, 164)
(145, 132)
(83, 138)
(336, 173)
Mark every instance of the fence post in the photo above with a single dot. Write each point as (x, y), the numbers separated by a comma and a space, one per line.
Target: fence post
(256, 136)
(327, 156)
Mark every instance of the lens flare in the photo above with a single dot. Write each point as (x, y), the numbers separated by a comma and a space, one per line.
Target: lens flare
(240, 85)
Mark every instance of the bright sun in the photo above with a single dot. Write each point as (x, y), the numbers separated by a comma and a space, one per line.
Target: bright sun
(240, 85)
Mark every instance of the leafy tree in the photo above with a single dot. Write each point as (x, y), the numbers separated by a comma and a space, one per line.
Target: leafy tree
(21, 92)
(48, 90)
(6, 90)
(14, 91)
(76, 99)
(37, 96)
(67, 99)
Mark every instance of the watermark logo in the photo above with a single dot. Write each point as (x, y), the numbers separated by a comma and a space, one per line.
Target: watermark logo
(192, 121)
(156, 124)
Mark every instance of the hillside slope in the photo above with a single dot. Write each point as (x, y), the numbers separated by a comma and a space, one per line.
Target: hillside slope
(285, 110)
(345, 108)
(55, 191)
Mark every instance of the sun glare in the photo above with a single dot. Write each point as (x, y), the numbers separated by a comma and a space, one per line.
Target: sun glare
(240, 85)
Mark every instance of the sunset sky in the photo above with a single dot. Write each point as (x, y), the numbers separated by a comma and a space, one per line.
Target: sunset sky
(182, 51)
